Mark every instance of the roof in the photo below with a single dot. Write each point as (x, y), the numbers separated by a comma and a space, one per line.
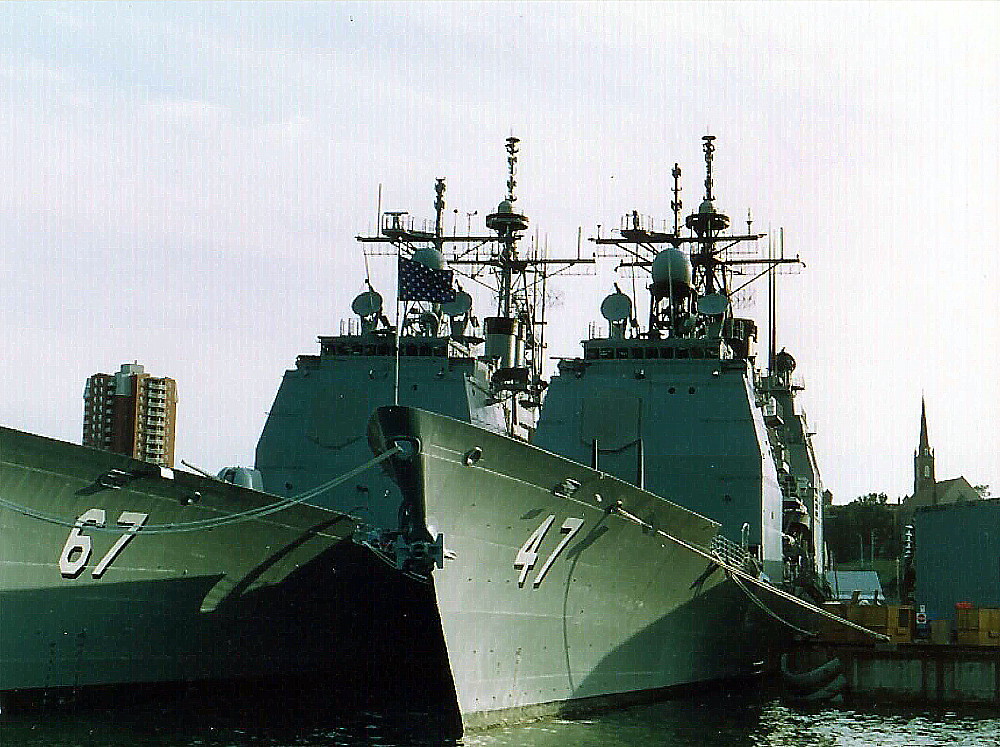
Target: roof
(953, 490)
(845, 583)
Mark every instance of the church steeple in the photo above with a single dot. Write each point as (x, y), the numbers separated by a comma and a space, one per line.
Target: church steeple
(923, 457)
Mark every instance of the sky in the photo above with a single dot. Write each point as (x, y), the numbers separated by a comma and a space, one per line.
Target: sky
(182, 185)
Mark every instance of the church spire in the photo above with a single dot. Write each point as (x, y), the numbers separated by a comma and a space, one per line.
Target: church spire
(925, 446)
(923, 458)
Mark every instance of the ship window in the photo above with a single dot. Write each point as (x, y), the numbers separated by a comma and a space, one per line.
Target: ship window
(667, 353)
(410, 350)
(683, 353)
(697, 353)
(606, 353)
(369, 350)
(425, 350)
(690, 390)
(637, 352)
(712, 353)
(622, 353)
(652, 352)
(671, 390)
(591, 353)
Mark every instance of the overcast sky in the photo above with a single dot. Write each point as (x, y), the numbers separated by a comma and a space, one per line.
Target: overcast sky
(182, 185)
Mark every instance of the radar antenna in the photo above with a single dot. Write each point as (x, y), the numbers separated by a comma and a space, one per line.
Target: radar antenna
(676, 204)
(512, 167)
(519, 278)
(691, 293)
(439, 210)
(709, 148)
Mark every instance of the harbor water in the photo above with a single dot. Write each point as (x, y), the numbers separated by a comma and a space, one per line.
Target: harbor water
(708, 721)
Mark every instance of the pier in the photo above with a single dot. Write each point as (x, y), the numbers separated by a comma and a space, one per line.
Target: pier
(948, 662)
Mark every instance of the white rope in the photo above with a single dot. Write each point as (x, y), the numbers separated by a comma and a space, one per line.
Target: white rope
(768, 610)
(740, 573)
(200, 524)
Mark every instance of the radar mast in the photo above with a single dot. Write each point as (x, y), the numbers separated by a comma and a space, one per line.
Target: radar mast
(691, 291)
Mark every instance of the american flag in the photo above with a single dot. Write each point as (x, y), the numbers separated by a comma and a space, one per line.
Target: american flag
(419, 282)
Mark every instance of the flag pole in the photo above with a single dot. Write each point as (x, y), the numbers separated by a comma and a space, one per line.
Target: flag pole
(395, 386)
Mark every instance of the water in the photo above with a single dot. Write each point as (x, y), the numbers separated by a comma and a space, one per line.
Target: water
(709, 721)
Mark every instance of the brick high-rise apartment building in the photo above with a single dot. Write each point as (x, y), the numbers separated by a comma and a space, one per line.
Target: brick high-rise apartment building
(131, 412)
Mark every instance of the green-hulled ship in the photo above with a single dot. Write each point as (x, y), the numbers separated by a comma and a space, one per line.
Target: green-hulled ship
(605, 535)
(525, 547)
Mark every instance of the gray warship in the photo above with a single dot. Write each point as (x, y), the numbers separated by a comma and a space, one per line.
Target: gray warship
(115, 571)
(631, 526)
(432, 519)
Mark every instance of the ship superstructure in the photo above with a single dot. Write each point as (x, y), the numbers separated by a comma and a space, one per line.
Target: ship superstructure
(609, 557)
(679, 406)
(609, 549)
(486, 372)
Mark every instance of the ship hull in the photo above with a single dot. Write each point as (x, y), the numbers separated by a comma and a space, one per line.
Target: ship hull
(274, 596)
(552, 594)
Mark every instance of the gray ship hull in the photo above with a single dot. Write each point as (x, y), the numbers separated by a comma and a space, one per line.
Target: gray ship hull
(551, 594)
(81, 607)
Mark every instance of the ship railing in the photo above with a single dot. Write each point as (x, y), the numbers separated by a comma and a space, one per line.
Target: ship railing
(729, 552)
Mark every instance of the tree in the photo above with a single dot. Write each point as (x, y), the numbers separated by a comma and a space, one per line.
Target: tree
(863, 529)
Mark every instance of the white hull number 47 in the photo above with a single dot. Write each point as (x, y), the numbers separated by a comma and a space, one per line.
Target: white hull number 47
(527, 556)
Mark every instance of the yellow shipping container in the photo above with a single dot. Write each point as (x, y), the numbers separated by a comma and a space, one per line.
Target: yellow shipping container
(978, 626)
(940, 632)
(979, 637)
(893, 621)
(981, 618)
(900, 624)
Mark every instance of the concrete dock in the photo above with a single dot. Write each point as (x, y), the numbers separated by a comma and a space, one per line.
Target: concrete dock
(914, 672)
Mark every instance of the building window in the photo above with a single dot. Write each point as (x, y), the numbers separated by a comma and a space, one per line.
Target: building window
(927, 470)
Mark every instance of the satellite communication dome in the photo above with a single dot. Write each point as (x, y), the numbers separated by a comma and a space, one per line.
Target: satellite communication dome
(505, 220)
(431, 258)
(713, 303)
(429, 321)
(671, 266)
(460, 305)
(784, 362)
(367, 304)
(617, 307)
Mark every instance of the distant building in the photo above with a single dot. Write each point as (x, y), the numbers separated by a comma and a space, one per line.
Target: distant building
(845, 584)
(927, 490)
(131, 412)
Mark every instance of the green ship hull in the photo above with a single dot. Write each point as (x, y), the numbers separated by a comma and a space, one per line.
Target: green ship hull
(153, 601)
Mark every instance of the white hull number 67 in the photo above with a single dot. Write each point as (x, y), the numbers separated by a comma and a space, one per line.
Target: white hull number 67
(76, 553)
